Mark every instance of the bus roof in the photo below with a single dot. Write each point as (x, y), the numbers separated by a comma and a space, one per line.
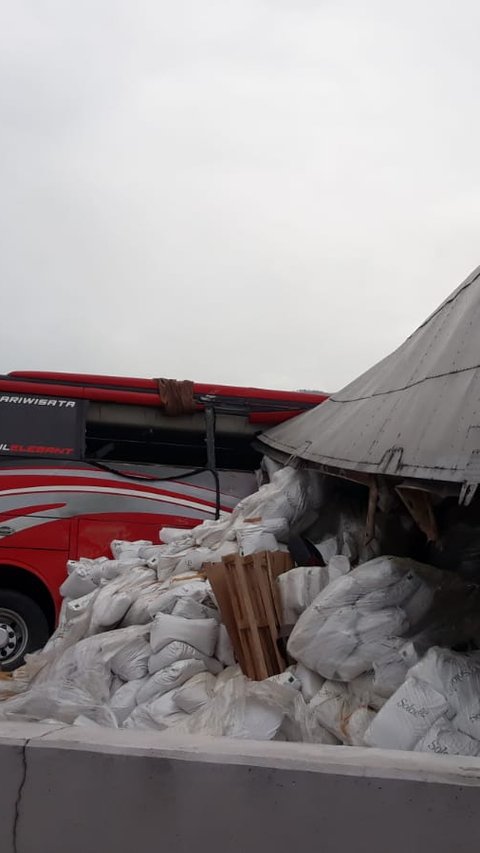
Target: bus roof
(261, 404)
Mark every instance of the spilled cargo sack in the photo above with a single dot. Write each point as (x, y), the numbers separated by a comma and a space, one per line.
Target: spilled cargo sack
(124, 699)
(407, 716)
(350, 625)
(298, 588)
(199, 633)
(197, 692)
(168, 679)
(131, 662)
(181, 651)
(444, 739)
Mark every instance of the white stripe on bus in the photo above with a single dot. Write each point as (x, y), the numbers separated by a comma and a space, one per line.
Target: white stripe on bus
(175, 483)
(161, 498)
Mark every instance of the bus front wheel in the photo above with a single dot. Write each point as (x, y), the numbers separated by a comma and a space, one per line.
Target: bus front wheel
(23, 628)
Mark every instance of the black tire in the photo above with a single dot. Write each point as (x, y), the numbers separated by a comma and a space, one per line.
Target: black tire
(23, 628)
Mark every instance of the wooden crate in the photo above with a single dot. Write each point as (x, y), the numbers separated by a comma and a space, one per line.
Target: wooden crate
(247, 596)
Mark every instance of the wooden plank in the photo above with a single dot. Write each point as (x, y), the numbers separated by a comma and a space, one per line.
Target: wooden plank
(278, 562)
(254, 639)
(217, 576)
(239, 610)
(261, 572)
(260, 608)
(275, 608)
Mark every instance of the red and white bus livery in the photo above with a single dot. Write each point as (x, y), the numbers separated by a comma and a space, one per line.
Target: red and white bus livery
(88, 459)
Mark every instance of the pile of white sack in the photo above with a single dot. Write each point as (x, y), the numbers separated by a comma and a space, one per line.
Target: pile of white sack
(140, 642)
(366, 633)
(436, 709)
(141, 645)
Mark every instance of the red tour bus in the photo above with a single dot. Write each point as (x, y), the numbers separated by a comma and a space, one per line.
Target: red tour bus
(88, 459)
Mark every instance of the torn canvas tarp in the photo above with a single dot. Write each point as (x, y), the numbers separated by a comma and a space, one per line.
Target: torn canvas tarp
(412, 415)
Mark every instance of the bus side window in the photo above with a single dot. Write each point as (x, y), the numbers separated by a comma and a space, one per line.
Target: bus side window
(143, 435)
(144, 446)
(235, 453)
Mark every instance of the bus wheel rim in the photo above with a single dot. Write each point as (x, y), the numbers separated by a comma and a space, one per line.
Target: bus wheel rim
(13, 635)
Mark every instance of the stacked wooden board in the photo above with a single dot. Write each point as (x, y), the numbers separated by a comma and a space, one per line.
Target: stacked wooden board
(246, 592)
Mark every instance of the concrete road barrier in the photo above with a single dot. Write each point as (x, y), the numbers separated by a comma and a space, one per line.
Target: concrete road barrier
(92, 790)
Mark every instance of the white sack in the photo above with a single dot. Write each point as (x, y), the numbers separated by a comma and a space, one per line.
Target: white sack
(338, 565)
(456, 676)
(139, 611)
(124, 701)
(301, 725)
(170, 654)
(286, 679)
(212, 533)
(85, 563)
(350, 624)
(324, 649)
(63, 702)
(363, 690)
(197, 692)
(174, 534)
(167, 597)
(191, 609)
(444, 739)
(390, 671)
(468, 720)
(109, 608)
(78, 583)
(115, 598)
(392, 595)
(193, 559)
(73, 626)
(164, 558)
(279, 527)
(298, 588)
(244, 709)
(258, 721)
(373, 632)
(164, 711)
(156, 714)
(76, 681)
(332, 706)
(356, 726)
(227, 675)
(328, 548)
(122, 548)
(269, 466)
(407, 716)
(131, 662)
(290, 493)
(224, 649)
(181, 651)
(199, 633)
(253, 538)
(310, 681)
(168, 679)
(179, 559)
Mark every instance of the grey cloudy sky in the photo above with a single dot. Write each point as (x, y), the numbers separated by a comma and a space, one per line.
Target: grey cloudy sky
(269, 192)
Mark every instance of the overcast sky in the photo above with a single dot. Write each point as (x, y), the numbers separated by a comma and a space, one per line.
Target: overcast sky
(266, 192)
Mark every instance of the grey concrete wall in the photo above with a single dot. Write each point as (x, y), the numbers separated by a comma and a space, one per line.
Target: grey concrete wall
(72, 790)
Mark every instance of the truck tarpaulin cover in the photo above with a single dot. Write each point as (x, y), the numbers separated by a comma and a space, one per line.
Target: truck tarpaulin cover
(414, 414)
(31, 425)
